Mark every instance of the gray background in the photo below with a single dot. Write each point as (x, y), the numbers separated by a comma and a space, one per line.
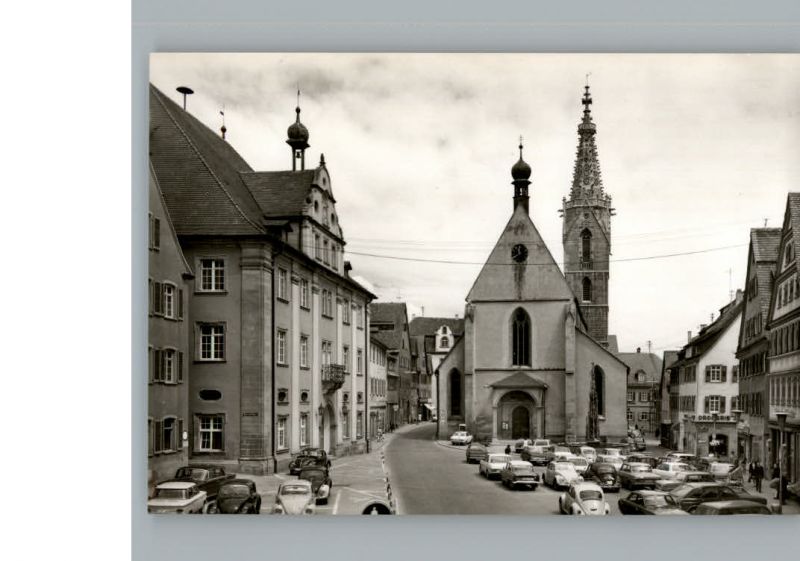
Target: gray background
(417, 25)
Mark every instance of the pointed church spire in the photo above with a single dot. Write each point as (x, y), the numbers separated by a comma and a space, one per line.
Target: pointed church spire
(520, 172)
(586, 175)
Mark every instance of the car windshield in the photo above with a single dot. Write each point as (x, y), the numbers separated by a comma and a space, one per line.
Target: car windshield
(171, 493)
(659, 501)
(612, 452)
(522, 470)
(602, 469)
(195, 474)
(312, 474)
(234, 491)
(460, 434)
(591, 495)
(294, 490)
(499, 458)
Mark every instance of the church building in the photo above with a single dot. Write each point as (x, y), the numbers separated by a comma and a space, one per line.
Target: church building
(532, 361)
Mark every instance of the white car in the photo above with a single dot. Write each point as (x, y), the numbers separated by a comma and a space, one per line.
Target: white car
(541, 442)
(295, 496)
(182, 497)
(583, 499)
(519, 445)
(561, 474)
(589, 453)
(669, 470)
(679, 457)
(461, 438)
(581, 464)
(493, 464)
(615, 461)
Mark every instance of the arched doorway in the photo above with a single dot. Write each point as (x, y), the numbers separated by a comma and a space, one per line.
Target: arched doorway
(327, 428)
(517, 416)
(520, 422)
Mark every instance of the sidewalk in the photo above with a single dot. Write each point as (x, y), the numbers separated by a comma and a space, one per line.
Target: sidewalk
(791, 507)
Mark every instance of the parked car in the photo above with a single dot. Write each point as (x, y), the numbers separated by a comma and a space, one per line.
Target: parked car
(721, 471)
(648, 459)
(475, 452)
(207, 477)
(731, 507)
(637, 476)
(583, 498)
(493, 464)
(556, 452)
(541, 442)
(520, 444)
(536, 454)
(237, 496)
(309, 457)
(682, 477)
(581, 464)
(461, 438)
(561, 474)
(182, 497)
(690, 495)
(295, 497)
(603, 474)
(670, 470)
(615, 461)
(612, 452)
(589, 453)
(519, 473)
(680, 457)
(649, 502)
(320, 480)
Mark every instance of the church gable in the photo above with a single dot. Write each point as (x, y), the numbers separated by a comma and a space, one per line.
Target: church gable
(520, 267)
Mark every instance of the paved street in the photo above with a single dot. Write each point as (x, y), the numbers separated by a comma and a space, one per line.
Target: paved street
(429, 478)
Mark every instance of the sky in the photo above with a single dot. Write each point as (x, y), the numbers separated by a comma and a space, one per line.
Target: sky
(694, 150)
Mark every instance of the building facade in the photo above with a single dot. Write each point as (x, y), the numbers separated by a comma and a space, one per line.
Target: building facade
(753, 347)
(783, 325)
(643, 410)
(278, 329)
(670, 427)
(378, 388)
(168, 349)
(527, 365)
(709, 387)
(389, 325)
(434, 337)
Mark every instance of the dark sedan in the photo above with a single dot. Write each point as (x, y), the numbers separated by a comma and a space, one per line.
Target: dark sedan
(320, 481)
(605, 475)
(649, 502)
(518, 473)
(237, 496)
(690, 495)
(637, 476)
(475, 452)
(309, 457)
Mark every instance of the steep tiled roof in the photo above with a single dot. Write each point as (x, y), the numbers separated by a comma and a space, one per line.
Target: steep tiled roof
(794, 210)
(199, 174)
(765, 243)
(709, 335)
(428, 326)
(389, 312)
(648, 362)
(280, 193)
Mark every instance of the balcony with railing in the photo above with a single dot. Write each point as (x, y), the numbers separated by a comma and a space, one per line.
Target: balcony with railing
(332, 377)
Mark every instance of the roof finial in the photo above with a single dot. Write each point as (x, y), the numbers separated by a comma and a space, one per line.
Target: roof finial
(223, 129)
(520, 147)
(322, 159)
(297, 109)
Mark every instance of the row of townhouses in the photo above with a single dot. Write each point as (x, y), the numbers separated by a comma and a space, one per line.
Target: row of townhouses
(734, 389)
(259, 338)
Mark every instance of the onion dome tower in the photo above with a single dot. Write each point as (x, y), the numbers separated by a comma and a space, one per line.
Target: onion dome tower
(297, 134)
(520, 173)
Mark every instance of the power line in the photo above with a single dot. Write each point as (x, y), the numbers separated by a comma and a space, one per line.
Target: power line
(622, 260)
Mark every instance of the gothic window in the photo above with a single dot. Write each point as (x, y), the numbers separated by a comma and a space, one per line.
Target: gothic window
(455, 392)
(521, 339)
(587, 290)
(600, 389)
(586, 245)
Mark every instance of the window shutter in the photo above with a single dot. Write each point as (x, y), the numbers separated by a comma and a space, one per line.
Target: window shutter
(156, 233)
(159, 436)
(724, 373)
(180, 435)
(708, 373)
(158, 297)
(180, 367)
(180, 304)
(705, 405)
(160, 366)
(150, 289)
(722, 400)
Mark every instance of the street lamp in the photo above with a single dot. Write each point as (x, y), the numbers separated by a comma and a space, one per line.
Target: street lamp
(781, 426)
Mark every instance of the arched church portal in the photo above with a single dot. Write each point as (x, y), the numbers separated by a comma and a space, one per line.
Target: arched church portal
(518, 416)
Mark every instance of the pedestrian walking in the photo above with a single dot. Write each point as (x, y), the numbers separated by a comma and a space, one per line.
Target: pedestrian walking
(758, 475)
(508, 449)
(784, 483)
(750, 469)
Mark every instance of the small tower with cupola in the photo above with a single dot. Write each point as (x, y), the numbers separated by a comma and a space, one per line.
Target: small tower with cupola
(298, 139)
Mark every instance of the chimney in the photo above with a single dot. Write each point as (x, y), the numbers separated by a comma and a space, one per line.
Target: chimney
(422, 311)
(739, 295)
(689, 336)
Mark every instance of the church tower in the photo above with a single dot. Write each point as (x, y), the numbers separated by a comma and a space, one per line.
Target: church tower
(587, 230)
